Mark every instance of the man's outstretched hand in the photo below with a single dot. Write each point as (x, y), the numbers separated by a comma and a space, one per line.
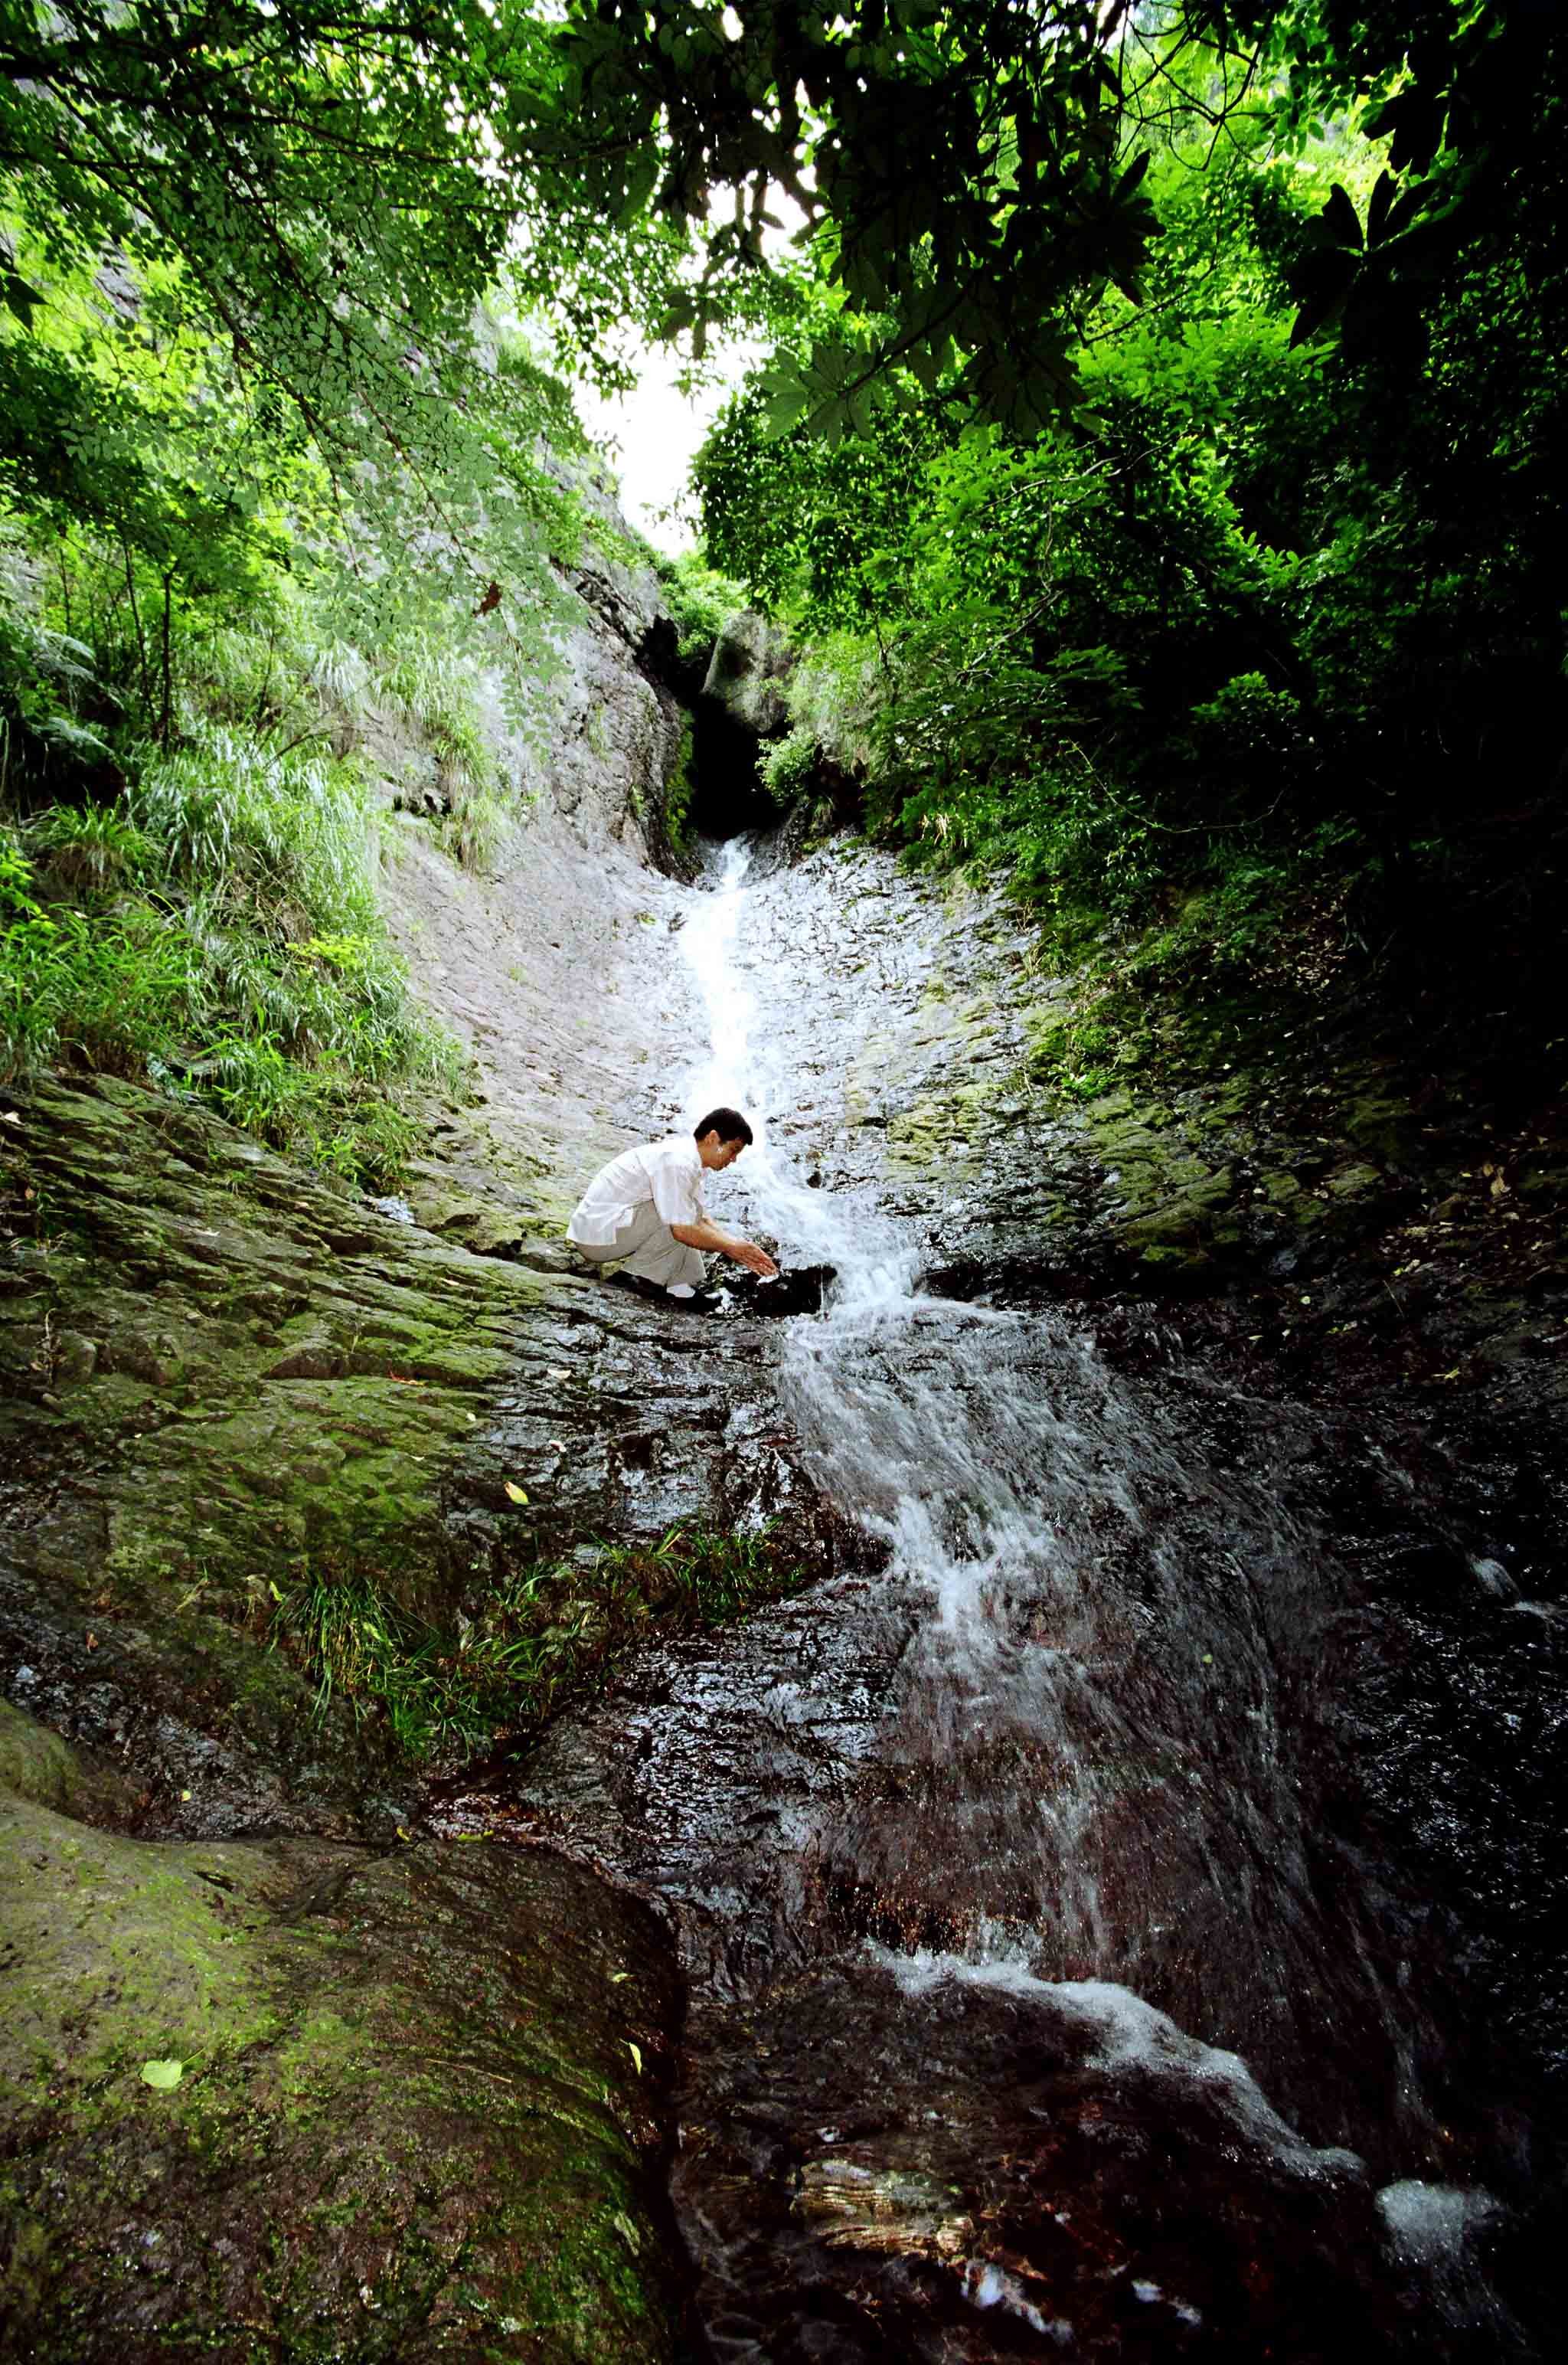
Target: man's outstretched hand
(707, 1237)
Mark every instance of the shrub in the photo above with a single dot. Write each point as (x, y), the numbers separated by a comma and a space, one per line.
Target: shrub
(790, 764)
(699, 601)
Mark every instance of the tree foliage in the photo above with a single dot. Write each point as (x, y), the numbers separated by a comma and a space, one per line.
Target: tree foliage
(1282, 594)
(1161, 447)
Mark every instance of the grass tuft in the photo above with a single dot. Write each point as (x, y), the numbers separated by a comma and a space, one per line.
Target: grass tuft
(550, 1634)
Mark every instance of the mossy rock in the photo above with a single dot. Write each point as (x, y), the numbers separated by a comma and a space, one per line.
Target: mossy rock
(223, 1375)
(38, 1766)
(1165, 1257)
(300, 2102)
(1354, 1182)
(1382, 1124)
(1182, 1223)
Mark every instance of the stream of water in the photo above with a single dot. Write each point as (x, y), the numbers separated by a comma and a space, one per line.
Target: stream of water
(1033, 2009)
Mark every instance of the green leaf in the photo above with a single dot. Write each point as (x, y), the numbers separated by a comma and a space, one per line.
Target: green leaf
(164, 2074)
(1380, 206)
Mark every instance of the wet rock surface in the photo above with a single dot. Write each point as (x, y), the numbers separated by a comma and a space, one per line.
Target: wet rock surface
(1189, 1627)
(746, 674)
(298, 2099)
(1045, 2196)
(1159, 1742)
(224, 1376)
(422, 2102)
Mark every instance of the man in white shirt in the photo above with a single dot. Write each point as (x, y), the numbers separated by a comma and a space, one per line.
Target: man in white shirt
(644, 1209)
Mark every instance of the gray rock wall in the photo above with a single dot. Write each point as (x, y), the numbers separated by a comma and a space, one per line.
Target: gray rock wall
(746, 674)
(614, 734)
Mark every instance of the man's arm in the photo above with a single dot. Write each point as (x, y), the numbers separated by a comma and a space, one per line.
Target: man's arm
(713, 1242)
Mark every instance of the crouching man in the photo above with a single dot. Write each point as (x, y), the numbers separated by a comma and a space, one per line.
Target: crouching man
(645, 1210)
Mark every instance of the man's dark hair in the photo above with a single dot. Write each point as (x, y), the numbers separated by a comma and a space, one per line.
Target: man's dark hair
(728, 1124)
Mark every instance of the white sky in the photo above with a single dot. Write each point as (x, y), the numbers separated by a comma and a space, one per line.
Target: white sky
(650, 436)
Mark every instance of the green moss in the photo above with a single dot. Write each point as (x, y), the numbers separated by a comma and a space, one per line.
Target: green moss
(34, 1763)
(681, 788)
(402, 2113)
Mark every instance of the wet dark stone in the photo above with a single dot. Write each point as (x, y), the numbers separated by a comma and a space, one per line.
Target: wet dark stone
(966, 2173)
(1148, 1673)
(299, 1398)
(798, 1289)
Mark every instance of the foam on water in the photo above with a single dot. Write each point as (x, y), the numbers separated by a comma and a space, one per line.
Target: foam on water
(1431, 2224)
(988, 2285)
(1125, 2033)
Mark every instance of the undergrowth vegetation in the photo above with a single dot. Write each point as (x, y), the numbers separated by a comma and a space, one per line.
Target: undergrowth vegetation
(544, 1635)
(234, 559)
(198, 906)
(699, 599)
(1243, 672)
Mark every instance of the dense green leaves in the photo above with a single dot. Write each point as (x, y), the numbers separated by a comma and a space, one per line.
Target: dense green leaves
(964, 169)
(1162, 446)
(1282, 592)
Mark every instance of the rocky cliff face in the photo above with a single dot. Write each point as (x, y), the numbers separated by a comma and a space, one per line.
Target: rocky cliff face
(421, 2090)
(616, 730)
(242, 1405)
(746, 674)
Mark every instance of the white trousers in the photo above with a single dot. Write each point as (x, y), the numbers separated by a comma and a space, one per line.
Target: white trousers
(645, 1246)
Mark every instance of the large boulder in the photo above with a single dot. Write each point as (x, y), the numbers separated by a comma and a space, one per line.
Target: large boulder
(237, 1409)
(750, 661)
(268, 2097)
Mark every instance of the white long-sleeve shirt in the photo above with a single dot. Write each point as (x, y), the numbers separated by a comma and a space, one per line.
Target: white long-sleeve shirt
(669, 1172)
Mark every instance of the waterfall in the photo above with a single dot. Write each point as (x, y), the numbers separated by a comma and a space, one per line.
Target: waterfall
(1088, 1805)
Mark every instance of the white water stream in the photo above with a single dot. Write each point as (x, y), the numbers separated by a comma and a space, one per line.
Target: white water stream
(1094, 1793)
(1003, 1504)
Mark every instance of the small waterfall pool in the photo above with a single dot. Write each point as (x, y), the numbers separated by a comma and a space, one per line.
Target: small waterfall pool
(1038, 2006)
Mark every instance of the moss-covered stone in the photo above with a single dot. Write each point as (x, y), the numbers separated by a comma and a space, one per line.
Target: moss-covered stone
(1357, 1182)
(417, 2105)
(36, 1765)
(230, 1386)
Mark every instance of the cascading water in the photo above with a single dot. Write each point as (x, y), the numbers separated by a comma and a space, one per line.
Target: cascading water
(1087, 1612)
(962, 1851)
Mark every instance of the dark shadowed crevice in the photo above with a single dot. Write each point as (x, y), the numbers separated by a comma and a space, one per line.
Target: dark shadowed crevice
(728, 795)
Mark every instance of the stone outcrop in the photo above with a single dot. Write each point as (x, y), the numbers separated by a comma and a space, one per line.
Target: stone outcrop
(750, 660)
(420, 2093)
(616, 731)
(421, 2089)
(225, 1383)
(604, 748)
(265, 2089)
